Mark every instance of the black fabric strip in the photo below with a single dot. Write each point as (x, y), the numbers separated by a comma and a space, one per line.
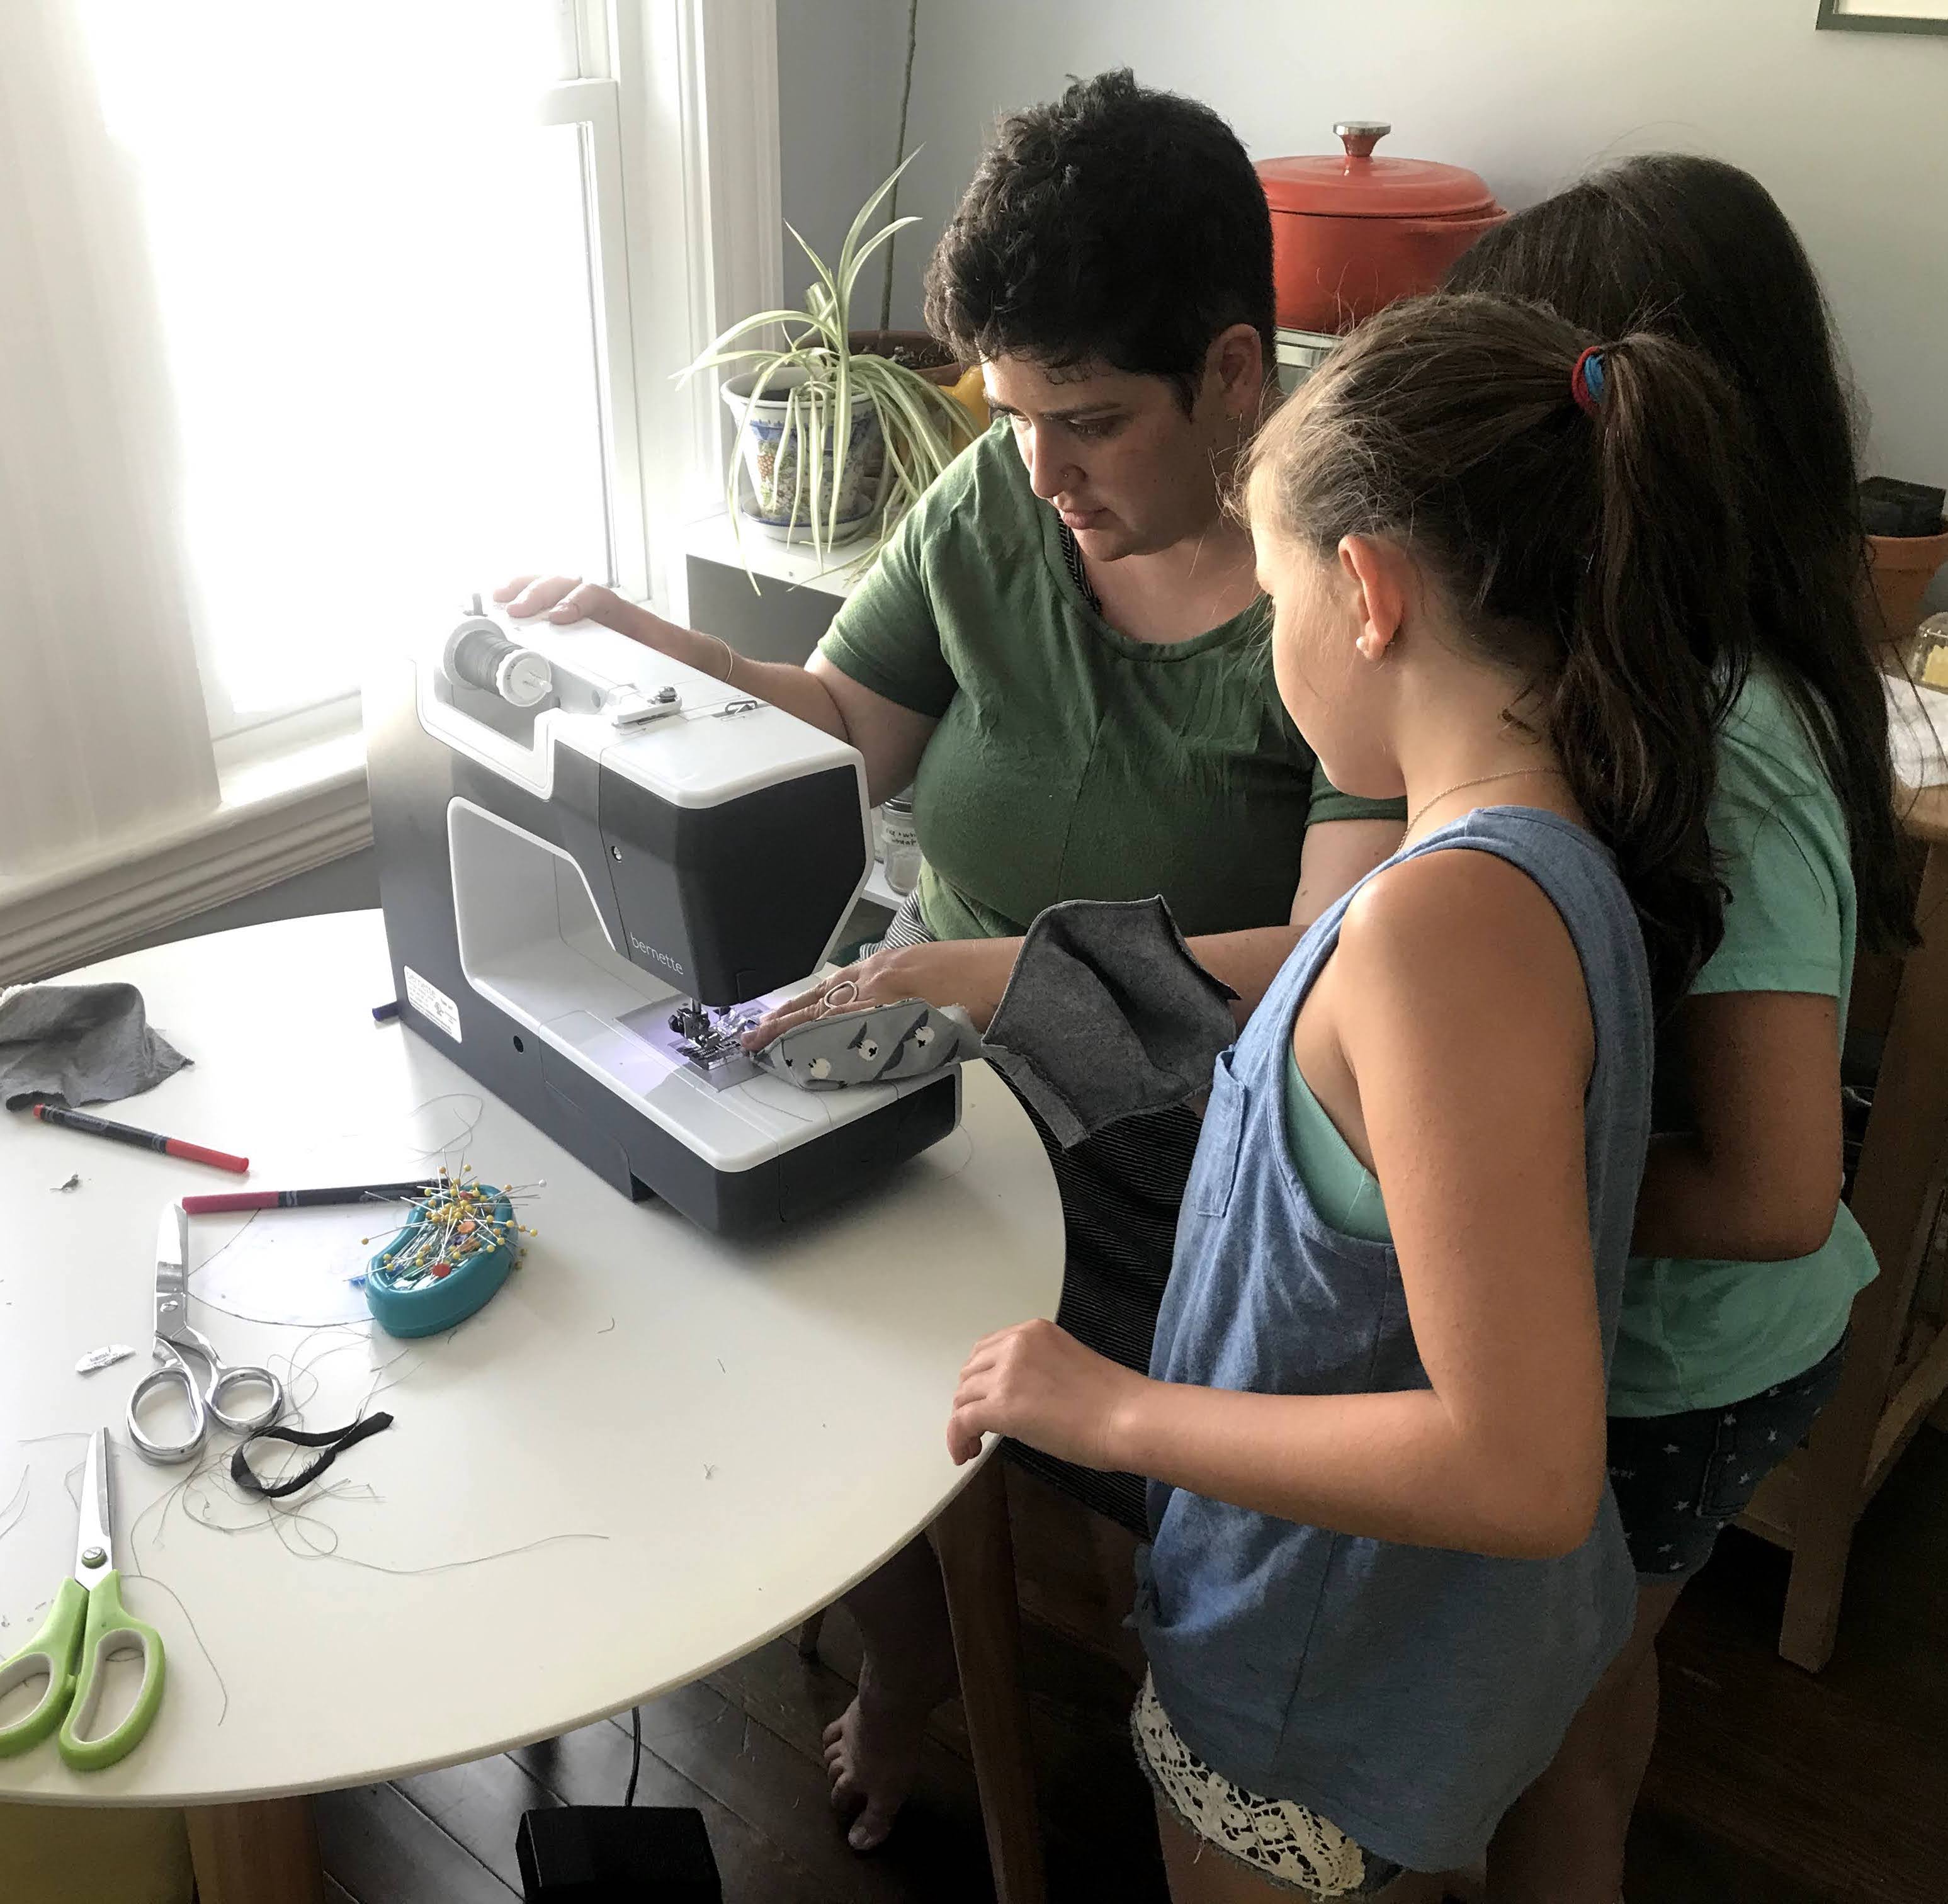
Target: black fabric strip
(334, 1443)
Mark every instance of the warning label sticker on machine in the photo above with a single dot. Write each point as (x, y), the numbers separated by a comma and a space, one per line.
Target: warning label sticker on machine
(430, 1002)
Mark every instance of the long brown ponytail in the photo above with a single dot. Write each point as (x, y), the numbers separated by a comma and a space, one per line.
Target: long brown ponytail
(1591, 547)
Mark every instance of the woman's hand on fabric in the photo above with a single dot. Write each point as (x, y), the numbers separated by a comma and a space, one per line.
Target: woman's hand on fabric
(970, 973)
(1038, 1383)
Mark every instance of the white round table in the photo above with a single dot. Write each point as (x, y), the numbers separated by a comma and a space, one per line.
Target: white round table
(712, 1440)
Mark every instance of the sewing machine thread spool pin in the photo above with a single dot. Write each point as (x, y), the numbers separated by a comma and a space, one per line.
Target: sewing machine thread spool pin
(480, 656)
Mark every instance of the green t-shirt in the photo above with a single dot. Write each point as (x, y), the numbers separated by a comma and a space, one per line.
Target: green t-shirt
(1703, 1335)
(1072, 762)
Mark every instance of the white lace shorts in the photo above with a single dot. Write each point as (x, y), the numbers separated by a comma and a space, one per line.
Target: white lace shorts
(1284, 1842)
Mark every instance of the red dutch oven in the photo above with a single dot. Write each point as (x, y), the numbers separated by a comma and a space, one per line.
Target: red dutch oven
(1351, 232)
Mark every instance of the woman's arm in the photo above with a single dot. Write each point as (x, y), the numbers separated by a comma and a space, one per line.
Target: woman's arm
(1758, 1179)
(890, 738)
(973, 974)
(1462, 1013)
(1336, 856)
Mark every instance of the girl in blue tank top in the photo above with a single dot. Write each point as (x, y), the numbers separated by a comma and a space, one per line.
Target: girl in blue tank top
(1385, 1567)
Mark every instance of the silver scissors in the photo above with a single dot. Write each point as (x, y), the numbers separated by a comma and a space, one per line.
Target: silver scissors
(174, 1338)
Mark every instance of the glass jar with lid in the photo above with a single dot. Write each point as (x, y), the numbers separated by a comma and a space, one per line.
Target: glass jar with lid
(901, 842)
(1927, 653)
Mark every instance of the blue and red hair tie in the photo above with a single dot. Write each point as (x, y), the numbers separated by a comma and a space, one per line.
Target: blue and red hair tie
(1586, 380)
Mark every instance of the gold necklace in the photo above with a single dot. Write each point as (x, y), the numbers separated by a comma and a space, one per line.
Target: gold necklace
(1485, 779)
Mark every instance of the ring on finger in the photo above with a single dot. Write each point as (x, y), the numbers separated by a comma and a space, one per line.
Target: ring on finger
(830, 1000)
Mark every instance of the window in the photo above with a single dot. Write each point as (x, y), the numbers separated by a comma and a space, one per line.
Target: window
(323, 315)
(373, 229)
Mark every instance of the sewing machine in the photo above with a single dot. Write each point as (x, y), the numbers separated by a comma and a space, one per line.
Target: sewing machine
(597, 867)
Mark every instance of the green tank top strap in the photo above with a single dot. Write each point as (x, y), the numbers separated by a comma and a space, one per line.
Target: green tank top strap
(1344, 1192)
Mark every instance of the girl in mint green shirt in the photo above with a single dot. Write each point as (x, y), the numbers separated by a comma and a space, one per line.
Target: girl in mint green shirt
(1735, 1314)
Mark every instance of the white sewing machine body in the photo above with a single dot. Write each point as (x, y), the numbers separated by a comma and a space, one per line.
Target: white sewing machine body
(580, 841)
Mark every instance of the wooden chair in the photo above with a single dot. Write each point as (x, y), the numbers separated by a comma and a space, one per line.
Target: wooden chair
(1897, 1368)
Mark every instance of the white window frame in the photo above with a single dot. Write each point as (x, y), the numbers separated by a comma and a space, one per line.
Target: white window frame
(679, 98)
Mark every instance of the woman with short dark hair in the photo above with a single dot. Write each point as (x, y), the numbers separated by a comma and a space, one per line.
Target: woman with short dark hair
(1063, 651)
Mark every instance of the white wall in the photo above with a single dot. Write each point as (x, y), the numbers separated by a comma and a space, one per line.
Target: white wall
(840, 63)
(1850, 131)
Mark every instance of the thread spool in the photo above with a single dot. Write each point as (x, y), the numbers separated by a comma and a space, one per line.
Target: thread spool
(480, 655)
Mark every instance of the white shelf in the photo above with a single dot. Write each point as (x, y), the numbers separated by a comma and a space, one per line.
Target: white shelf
(712, 538)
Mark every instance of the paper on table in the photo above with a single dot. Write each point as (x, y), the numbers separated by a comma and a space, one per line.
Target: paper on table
(295, 1266)
(1917, 733)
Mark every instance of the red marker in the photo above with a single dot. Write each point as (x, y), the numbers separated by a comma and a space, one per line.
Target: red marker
(127, 1134)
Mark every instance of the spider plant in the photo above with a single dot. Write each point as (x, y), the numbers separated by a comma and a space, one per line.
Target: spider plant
(822, 457)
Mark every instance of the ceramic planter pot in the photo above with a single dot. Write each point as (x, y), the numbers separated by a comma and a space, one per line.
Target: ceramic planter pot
(1351, 233)
(774, 486)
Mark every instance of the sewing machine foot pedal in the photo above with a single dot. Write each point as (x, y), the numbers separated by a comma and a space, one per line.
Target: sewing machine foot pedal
(607, 1854)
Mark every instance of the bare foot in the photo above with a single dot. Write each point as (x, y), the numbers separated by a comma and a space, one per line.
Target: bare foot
(872, 1752)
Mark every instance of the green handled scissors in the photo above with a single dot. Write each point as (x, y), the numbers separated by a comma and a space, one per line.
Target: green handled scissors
(86, 1627)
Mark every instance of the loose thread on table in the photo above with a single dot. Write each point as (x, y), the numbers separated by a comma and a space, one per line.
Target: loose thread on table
(351, 1335)
(362, 1133)
(466, 1137)
(296, 1527)
(195, 1633)
(380, 1387)
(228, 1242)
(295, 1523)
(163, 1501)
(297, 1372)
(21, 1499)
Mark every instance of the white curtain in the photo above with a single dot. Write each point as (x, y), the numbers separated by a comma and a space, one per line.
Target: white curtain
(104, 738)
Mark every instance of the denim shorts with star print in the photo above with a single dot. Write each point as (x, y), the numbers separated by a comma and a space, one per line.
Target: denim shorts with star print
(1678, 1478)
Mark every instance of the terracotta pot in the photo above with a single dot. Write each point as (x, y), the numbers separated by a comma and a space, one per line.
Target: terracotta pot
(1351, 232)
(920, 351)
(926, 356)
(1902, 566)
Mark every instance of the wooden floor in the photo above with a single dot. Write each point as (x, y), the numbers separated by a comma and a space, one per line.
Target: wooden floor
(1770, 1786)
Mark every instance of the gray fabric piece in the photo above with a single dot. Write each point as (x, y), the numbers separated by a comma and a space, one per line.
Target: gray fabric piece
(1108, 1015)
(69, 1045)
(882, 1044)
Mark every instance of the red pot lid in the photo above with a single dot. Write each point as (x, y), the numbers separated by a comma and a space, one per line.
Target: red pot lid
(1354, 185)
